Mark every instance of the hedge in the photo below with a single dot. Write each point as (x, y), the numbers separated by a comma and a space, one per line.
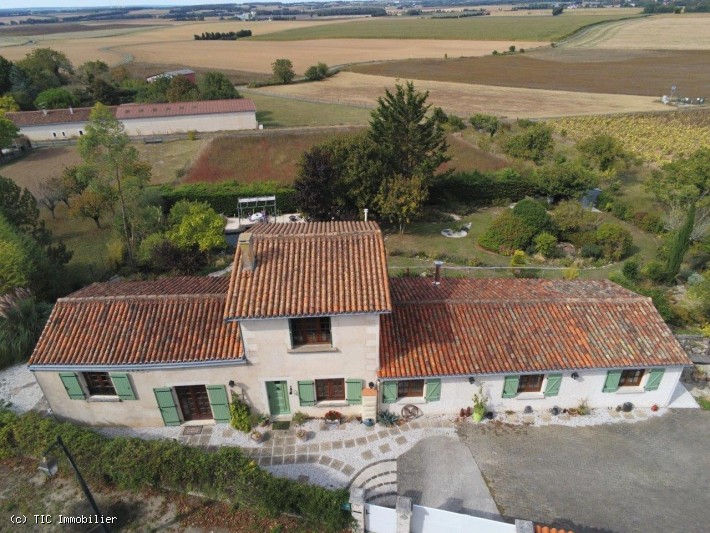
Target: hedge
(479, 189)
(222, 197)
(134, 464)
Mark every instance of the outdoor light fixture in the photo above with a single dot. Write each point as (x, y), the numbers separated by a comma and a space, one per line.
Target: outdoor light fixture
(231, 383)
(575, 375)
(471, 380)
(290, 389)
(371, 385)
(49, 466)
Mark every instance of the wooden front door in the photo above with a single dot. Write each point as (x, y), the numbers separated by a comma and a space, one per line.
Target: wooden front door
(278, 397)
(194, 402)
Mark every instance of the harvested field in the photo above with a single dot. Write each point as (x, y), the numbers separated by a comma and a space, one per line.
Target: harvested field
(257, 56)
(269, 157)
(39, 166)
(237, 77)
(49, 29)
(591, 71)
(467, 156)
(512, 28)
(467, 99)
(666, 32)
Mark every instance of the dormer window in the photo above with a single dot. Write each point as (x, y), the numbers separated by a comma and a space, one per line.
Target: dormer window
(306, 331)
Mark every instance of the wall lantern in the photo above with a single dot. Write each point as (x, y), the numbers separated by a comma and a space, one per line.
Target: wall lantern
(471, 380)
(290, 389)
(575, 375)
(231, 383)
(371, 385)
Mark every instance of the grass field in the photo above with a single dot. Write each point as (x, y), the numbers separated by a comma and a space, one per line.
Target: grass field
(467, 99)
(512, 28)
(567, 69)
(274, 111)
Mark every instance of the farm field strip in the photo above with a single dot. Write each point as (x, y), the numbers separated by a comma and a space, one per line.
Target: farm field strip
(467, 99)
(512, 28)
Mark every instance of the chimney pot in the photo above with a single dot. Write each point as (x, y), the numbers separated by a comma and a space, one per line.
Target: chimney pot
(366, 210)
(437, 272)
(247, 249)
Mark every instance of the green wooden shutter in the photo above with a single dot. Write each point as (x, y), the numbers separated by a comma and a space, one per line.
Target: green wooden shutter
(72, 385)
(433, 390)
(654, 378)
(167, 406)
(553, 384)
(307, 393)
(612, 381)
(219, 403)
(353, 391)
(389, 391)
(122, 384)
(510, 387)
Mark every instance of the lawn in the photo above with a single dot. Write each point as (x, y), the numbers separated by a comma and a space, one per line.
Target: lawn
(513, 28)
(285, 112)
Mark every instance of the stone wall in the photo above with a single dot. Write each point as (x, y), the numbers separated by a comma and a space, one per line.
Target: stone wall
(696, 346)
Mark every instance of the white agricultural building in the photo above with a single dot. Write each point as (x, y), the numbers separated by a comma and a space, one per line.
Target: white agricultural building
(141, 119)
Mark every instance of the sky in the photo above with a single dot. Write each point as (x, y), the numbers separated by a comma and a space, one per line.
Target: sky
(27, 4)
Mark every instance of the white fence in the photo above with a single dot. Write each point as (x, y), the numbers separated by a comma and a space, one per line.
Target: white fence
(428, 520)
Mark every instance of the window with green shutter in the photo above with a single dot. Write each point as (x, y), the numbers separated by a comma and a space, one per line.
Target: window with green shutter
(553, 384)
(654, 378)
(219, 403)
(71, 384)
(612, 381)
(353, 391)
(510, 386)
(307, 393)
(166, 404)
(389, 391)
(122, 385)
(433, 390)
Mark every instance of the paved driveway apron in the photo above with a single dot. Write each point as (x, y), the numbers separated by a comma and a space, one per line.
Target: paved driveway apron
(647, 477)
(439, 472)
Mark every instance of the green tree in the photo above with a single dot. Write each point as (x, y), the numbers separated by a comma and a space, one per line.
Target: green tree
(603, 150)
(615, 241)
(153, 93)
(282, 70)
(216, 86)
(56, 98)
(196, 225)
(680, 244)
(74, 180)
(506, 234)
(8, 104)
(18, 205)
(182, 90)
(23, 262)
(486, 123)
(534, 214)
(5, 80)
(46, 68)
(22, 320)
(8, 131)
(92, 70)
(535, 143)
(564, 180)
(108, 153)
(104, 92)
(317, 72)
(412, 145)
(546, 244)
(51, 192)
(91, 204)
(401, 198)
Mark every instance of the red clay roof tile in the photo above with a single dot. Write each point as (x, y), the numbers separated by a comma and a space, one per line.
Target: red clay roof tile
(487, 326)
(174, 320)
(200, 107)
(50, 116)
(311, 269)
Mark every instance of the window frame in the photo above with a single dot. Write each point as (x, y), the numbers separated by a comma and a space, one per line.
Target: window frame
(634, 380)
(301, 330)
(330, 392)
(410, 388)
(525, 381)
(99, 384)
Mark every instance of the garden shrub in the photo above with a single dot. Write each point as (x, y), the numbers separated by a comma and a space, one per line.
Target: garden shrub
(655, 271)
(534, 214)
(240, 412)
(614, 240)
(546, 244)
(455, 123)
(631, 269)
(506, 234)
(582, 238)
(593, 251)
(651, 222)
(135, 464)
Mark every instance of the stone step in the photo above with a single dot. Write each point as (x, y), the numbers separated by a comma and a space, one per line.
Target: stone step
(374, 470)
(388, 489)
(389, 478)
(384, 500)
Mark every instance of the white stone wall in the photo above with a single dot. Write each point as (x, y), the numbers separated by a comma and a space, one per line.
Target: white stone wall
(457, 392)
(53, 132)
(213, 122)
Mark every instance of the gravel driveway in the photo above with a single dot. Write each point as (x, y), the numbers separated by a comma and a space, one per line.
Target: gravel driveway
(651, 476)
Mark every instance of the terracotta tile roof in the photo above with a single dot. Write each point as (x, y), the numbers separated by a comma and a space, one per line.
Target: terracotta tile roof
(175, 320)
(547, 529)
(311, 269)
(487, 326)
(202, 107)
(52, 116)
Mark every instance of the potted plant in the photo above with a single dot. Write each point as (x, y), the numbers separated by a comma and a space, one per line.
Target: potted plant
(479, 405)
(332, 418)
(302, 434)
(257, 436)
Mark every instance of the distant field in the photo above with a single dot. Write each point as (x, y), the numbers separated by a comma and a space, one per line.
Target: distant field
(48, 29)
(512, 28)
(466, 156)
(567, 69)
(467, 99)
(283, 112)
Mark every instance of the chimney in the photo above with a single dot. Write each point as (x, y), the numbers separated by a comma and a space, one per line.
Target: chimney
(44, 112)
(366, 210)
(437, 272)
(247, 249)
(71, 110)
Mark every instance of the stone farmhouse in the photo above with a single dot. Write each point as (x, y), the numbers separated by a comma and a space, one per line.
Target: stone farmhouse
(141, 119)
(310, 321)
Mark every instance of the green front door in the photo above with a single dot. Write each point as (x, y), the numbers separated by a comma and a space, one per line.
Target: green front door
(278, 397)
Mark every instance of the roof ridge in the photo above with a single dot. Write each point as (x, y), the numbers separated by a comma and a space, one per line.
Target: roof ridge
(508, 301)
(201, 295)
